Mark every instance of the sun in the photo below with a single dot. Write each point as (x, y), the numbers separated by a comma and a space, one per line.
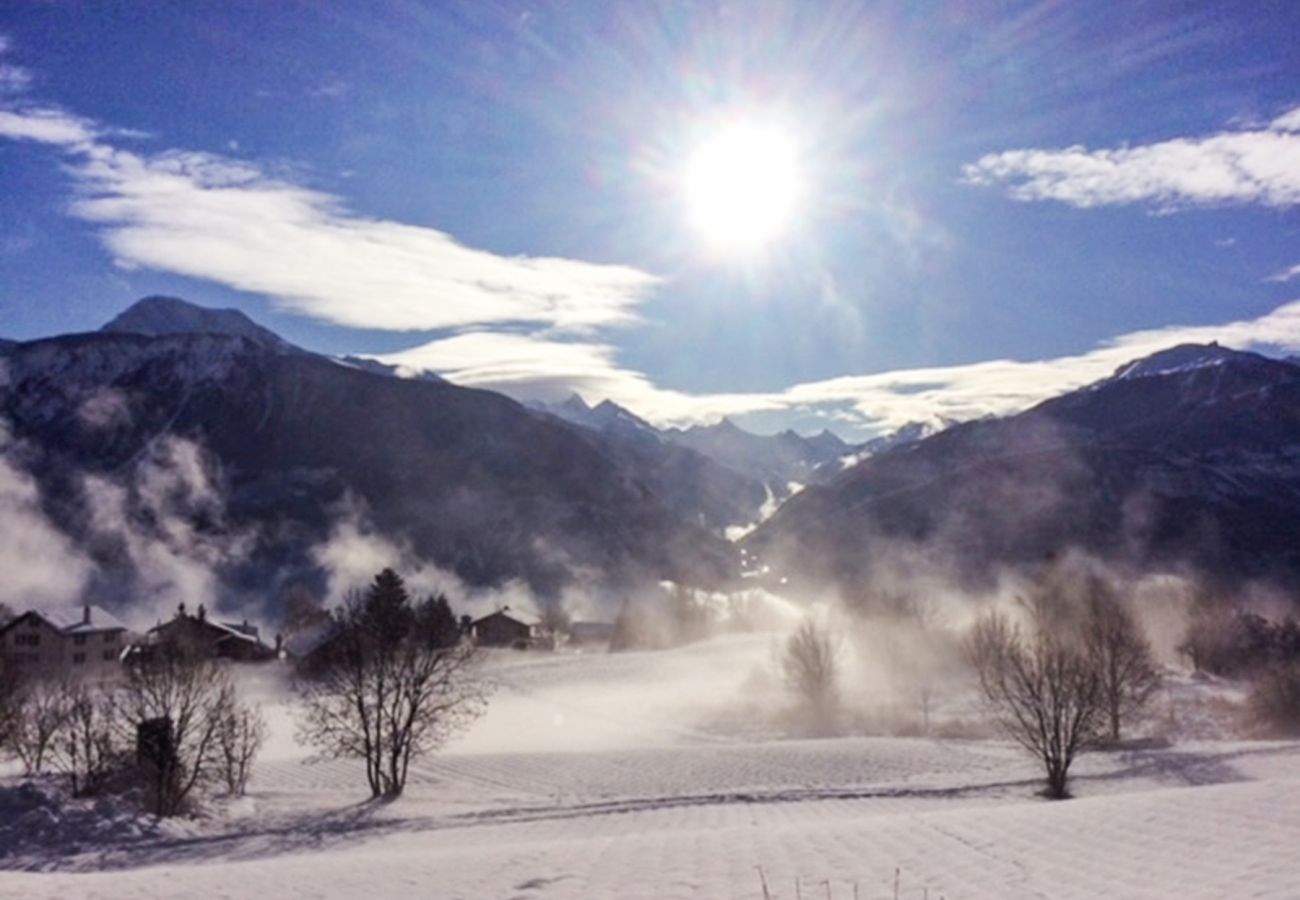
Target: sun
(742, 186)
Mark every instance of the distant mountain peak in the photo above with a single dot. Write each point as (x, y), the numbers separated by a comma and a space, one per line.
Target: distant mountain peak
(575, 403)
(159, 315)
(1181, 358)
(722, 426)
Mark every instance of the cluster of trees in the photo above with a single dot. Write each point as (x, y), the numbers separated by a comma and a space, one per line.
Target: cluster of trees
(394, 680)
(1070, 674)
(1228, 642)
(174, 728)
(1238, 643)
(1066, 678)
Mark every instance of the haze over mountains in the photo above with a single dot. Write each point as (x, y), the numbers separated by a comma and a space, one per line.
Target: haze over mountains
(286, 444)
(199, 435)
(1186, 460)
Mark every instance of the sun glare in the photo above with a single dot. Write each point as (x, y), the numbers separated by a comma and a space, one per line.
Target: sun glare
(742, 186)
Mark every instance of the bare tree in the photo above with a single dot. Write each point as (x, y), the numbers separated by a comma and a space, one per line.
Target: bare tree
(810, 665)
(391, 693)
(39, 713)
(1120, 655)
(1045, 691)
(172, 707)
(240, 737)
(9, 696)
(87, 747)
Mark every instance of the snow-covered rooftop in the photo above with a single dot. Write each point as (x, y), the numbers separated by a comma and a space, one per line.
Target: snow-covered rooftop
(80, 619)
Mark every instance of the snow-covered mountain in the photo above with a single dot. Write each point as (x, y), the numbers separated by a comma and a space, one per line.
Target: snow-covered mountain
(606, 416)
(467, 480)
(775, 461)
(157, 316)
(907, 434)
(778, 460)
(717, 495)
(1189, 458)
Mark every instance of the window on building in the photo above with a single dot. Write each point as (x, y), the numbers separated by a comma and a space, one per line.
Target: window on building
(78, 658)
(79, 640)
(110, 637)
(110, 655)
(27, 640)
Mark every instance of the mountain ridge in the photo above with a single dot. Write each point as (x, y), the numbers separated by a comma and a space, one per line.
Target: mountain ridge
(1177, 466)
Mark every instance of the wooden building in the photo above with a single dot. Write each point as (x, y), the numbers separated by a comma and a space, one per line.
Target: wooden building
(499, 629)
(77, 642)
(199, 635)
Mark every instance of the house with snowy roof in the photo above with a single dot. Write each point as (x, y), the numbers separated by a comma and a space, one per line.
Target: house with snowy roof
(77, 642)
(197, 634)
(504, 629)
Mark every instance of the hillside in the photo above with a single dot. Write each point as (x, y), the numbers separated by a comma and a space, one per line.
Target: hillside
(1190, 457)
(468, 480)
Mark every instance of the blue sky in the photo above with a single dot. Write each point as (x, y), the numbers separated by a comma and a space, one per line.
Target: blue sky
(1001, 200)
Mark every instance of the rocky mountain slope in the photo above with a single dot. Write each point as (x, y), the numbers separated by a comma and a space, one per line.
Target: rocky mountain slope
(1189, 458)
(469, 480)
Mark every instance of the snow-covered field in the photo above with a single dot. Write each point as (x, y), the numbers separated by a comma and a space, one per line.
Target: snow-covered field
(610, 776)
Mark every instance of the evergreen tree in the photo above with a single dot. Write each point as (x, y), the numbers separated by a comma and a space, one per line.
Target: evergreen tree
(436, 622)
(386, 610)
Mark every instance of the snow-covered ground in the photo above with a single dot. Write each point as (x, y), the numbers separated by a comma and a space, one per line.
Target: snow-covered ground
(602, 775)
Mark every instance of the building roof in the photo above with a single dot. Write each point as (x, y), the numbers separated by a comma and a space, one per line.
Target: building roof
(228, 630)
(72, 619)
(510, 614)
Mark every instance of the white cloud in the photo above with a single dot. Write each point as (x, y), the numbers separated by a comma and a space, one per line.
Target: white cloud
(210, 217)
(45, 126)
(1255, 166)
(1287, 275)
(526, 366)
(215, 218)
(13, 79)
(1288, 121)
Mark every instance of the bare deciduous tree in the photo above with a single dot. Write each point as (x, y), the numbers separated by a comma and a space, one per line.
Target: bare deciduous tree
(172, 707)
(9, 694)
(1044, 689)
(810, 666)
(1119, 654)
(391, 693)
(39, 712)
(87, 747)
(240, 737)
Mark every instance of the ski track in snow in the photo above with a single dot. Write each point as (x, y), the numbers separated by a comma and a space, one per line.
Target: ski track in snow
(677, 813)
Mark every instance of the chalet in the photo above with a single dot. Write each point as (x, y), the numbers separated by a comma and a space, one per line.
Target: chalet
(499, 629)
(77, 642)
(197, 634)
